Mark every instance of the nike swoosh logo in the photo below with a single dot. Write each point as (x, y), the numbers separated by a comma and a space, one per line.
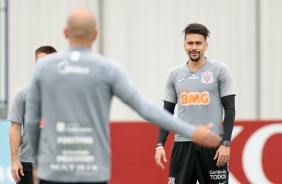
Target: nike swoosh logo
(180, 80)
(222, 183)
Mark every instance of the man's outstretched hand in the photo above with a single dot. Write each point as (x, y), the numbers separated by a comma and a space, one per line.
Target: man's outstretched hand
(205, 137)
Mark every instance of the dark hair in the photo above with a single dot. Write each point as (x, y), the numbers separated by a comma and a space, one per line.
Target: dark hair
(45, 49)
(196, 28)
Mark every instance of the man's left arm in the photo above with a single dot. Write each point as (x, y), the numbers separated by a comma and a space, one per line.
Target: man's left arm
(223, 152)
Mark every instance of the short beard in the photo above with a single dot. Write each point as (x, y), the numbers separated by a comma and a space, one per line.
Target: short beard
(195, 59)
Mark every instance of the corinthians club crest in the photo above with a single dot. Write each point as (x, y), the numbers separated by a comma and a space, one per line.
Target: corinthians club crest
(207, 77)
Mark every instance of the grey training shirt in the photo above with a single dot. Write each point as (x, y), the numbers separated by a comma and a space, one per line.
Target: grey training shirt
(198, 94)
(16, 115)
(72, 92)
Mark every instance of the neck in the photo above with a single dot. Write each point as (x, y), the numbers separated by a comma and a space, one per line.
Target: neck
(80, 43)
(196, 65)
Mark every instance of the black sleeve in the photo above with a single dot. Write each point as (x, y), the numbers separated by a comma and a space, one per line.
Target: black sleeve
(228, 103)
(164, 133)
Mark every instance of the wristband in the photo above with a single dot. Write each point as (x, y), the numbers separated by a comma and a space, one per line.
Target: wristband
(159, 147)
(159, 144)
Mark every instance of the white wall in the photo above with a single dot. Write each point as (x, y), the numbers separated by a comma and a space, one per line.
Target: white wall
(146, 37)
(270, 71)
(2, 57)
(33, 24)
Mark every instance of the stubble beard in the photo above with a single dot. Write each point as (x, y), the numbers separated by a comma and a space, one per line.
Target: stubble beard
(195, 59)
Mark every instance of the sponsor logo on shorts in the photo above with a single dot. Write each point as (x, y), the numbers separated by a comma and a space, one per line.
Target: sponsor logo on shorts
(222, 182)
(218, 175)
(207, 77)
(171, 180)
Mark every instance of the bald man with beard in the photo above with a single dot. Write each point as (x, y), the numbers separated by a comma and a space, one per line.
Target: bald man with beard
(73, 90)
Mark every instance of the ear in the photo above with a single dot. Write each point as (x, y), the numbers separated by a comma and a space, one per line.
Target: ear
(207, 45)
(66, 33)
(95, 35)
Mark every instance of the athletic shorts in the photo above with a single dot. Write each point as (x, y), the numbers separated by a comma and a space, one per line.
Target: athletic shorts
(27, 178)
(48, 182)
(191, 162)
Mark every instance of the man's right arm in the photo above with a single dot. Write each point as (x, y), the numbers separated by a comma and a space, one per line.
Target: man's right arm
(16, 117)
(160, 152)
(162, 136)
(15, 141)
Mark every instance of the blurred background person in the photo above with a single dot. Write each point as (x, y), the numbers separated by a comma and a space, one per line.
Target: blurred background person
(21, 159)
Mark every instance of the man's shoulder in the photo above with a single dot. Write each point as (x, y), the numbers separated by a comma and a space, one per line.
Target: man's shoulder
(18, 106)
(104, 60)
(177, 68)
(23, 90)
(217, 64)
(106, 63)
